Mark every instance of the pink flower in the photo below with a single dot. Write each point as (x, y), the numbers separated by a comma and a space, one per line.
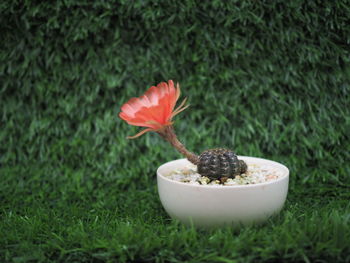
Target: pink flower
(155, 109)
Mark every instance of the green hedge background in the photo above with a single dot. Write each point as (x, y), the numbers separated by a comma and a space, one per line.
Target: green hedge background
(268, 79)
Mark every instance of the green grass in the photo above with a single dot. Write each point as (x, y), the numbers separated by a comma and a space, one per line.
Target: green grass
(267, 79)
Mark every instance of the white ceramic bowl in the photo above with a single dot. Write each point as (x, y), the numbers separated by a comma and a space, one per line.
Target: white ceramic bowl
(216, 205)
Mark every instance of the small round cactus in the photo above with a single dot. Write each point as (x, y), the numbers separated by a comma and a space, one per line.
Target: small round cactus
(218, 163)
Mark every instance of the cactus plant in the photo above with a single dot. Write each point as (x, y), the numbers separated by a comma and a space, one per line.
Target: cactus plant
(155, 111)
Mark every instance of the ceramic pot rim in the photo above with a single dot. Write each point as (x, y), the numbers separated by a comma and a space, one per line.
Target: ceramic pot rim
(277, 165)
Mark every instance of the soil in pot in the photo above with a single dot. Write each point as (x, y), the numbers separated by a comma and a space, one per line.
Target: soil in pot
(256, 173)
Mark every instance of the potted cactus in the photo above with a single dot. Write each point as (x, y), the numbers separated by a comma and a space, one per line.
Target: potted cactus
(214, 187)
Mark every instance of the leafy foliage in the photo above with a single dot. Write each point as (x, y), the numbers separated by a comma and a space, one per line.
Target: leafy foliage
(268, 79)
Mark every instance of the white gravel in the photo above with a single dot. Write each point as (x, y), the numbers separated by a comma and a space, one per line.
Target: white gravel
(255, 174)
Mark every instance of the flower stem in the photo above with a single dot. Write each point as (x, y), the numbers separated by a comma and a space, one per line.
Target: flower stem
(169, 134)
